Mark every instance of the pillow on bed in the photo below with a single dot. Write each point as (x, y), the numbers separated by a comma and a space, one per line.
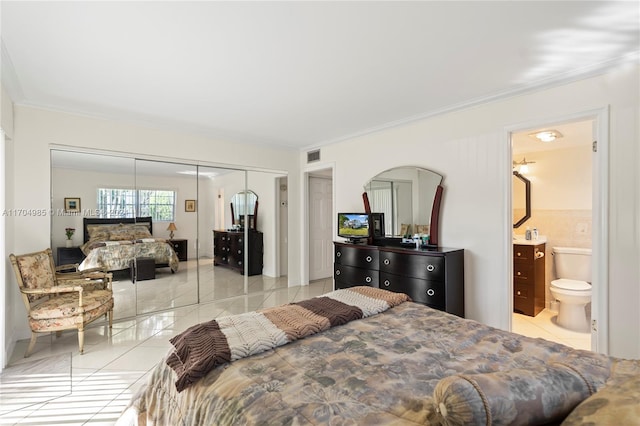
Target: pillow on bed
(141, 231)
(614, 404)
(518, 396)
(98, 232)
(121, 232)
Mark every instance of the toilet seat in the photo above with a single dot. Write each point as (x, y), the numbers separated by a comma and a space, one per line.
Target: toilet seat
(571, 285)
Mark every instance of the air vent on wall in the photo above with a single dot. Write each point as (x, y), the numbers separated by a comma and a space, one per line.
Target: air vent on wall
(313, 156)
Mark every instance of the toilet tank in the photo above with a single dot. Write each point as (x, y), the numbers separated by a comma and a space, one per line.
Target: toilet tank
(572, 263)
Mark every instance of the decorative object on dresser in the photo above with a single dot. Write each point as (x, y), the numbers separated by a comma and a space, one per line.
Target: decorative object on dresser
(434, 277)
(229, 250)
(69, 233)
(171, 228)
(528, 278)
(180, 247)
(244, 208)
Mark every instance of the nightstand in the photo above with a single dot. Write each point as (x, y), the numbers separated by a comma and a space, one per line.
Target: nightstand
(180, 247)
(69, 255)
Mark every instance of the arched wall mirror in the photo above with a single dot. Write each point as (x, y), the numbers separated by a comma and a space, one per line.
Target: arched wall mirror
(408, 198)
(521, 199)
(244, 209)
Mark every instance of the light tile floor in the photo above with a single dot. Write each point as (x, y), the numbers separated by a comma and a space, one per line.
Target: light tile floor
(544, 325)
(115, 365)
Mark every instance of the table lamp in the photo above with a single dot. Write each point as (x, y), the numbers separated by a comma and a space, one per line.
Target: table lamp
(171, 228)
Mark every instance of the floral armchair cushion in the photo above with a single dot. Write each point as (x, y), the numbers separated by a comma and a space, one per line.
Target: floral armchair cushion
(37, 273)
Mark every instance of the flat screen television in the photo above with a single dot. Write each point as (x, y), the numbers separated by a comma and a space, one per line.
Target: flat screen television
(353, 226)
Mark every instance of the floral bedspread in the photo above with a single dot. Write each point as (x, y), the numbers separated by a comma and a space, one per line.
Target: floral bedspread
(380, 370)
(117, 255)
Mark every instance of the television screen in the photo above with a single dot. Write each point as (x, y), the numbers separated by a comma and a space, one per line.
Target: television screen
(353, 225)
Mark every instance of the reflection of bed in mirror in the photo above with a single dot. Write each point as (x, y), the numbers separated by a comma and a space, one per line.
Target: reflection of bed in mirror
(112, 243)
(409, 199)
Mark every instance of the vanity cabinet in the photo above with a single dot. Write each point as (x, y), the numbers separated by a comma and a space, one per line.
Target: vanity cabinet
(229, 250)
(434, 277)
(528, 278)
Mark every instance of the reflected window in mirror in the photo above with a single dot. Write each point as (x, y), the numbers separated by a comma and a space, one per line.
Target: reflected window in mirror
(244, 209)
(409, 197)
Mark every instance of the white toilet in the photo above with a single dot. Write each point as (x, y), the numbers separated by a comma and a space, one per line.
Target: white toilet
(573, 286)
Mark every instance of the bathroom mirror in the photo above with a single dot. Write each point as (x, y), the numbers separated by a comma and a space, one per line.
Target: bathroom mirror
(409, 197)
(521, 199)
(244, 204)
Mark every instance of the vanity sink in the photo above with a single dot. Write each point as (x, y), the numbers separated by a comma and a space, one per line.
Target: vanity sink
(519, 239)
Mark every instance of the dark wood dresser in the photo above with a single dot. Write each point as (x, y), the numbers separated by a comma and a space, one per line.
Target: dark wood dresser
(434, 277)
(528, 279)
(229, 249)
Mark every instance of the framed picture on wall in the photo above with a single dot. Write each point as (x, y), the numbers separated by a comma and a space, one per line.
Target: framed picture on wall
(189, 205)
(72, 205)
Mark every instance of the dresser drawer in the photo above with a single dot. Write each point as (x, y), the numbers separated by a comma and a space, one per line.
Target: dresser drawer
(431, 293)
(523, 253)
(349, 276)
(418, 266)
(523, 298)
(522, 271)
(356, 256)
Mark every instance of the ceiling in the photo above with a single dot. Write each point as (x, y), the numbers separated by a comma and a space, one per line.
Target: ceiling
(300, 74)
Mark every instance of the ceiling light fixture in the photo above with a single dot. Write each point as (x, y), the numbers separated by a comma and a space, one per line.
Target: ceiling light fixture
(546, 135)
(523, 166)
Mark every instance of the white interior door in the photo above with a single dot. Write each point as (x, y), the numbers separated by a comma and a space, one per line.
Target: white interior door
(320, 227)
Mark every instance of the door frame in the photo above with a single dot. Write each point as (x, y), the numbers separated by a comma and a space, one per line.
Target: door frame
(600, 218)
(304, 247)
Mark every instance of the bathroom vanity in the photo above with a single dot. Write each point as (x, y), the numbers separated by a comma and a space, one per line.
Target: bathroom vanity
(529, 276)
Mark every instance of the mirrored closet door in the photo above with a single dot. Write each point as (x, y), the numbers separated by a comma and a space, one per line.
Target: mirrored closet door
(223, 226)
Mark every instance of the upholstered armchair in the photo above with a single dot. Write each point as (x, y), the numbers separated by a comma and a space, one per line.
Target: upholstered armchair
(57, 301)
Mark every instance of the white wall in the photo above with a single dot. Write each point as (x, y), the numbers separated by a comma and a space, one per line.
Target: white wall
(85, 184)
(36, 129)
(470, 149)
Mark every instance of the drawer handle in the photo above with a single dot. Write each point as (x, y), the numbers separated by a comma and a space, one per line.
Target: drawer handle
(518, 293)
(239, 251)
(337, 271)
(430, 268)
(240, 262)
(368, 279)
(386, 283)
(431, 292)
(338, 253)
(386, 261)
(368, 258)
(239, 240)
(518, 254)
(518, 273)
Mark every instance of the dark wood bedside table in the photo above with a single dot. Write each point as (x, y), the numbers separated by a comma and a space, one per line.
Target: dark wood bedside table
(180, 247)
(69, 255)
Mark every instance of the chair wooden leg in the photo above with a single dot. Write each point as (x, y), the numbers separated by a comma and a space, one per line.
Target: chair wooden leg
(81, 339)
(32, 343)
(111, 318)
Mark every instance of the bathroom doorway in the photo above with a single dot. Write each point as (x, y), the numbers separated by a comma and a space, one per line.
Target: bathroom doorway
(559, 163)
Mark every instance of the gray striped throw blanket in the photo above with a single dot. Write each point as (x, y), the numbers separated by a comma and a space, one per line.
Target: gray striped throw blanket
(203, 347)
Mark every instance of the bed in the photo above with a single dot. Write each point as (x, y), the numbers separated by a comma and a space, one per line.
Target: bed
(405, 364)
(113, 243)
